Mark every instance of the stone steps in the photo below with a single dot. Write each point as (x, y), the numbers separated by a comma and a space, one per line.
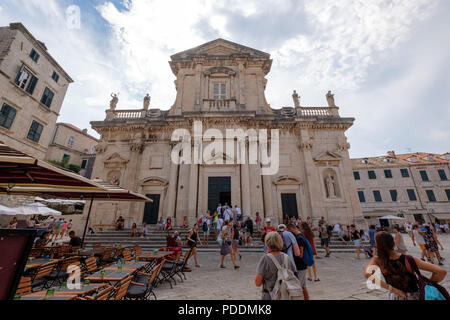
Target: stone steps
(157, 239)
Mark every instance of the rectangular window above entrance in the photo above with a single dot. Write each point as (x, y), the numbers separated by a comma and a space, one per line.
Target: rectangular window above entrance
(219, 91)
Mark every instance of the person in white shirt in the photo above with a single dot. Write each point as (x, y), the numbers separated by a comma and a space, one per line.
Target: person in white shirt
(337, 227)
(219, 209)
(227, 214)
(219, 224)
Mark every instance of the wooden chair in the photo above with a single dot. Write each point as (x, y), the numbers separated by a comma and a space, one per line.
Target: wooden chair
(126, 255)
(121, 287)
(36, 252)
(106, 258)
(136, 251)
(90, 265)
(59, 275)
(169, 268)
(24, 286)
(97, 245)
(39, 280)
(142, 286)
(104, 294)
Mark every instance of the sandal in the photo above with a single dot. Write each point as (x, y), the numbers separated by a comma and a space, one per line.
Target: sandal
(317, 280)
(236, 267)
(222, 266)
(309, 279)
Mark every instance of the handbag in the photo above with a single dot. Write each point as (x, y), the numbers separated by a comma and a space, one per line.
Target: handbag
(428, 290)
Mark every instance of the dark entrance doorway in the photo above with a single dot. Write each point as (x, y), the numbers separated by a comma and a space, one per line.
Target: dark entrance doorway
(151, 209)
(219, 191)
(289, 204)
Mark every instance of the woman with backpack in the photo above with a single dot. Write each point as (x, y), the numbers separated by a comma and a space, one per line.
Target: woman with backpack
(398, 270)
(309, 235)
(267, 271)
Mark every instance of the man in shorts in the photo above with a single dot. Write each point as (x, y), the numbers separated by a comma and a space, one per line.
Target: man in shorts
(300, 265)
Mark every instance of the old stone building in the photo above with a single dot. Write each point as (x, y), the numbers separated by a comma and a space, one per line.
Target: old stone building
(73, 145)
(414, 186)
(222, 85)
(32, 89)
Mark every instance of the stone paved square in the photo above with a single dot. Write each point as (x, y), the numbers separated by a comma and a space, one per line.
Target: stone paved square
(341, 278)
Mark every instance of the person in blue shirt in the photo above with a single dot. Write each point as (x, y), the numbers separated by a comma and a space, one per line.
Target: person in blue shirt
(290, 242)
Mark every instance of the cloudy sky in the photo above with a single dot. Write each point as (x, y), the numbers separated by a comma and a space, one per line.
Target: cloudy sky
(387, 61)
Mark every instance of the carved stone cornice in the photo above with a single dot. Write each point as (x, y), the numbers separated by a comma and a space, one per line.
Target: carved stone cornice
(287, 180)
(305, 146)
(137, 147)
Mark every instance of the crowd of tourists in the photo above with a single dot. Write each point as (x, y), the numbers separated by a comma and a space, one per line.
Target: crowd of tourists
(291, 246)
(56, 228)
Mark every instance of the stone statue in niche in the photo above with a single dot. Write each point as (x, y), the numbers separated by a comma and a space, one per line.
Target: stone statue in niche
(331, 187)
(114, 101)
(147, 101)
(330, 99)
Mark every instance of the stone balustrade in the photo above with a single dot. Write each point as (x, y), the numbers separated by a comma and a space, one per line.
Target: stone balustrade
(219, 104)
(318, 111)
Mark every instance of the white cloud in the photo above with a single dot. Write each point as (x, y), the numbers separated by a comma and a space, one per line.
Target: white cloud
(347, 36)
(336, 45)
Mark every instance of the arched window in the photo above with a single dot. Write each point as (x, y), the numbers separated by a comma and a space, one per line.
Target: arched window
(70, 142)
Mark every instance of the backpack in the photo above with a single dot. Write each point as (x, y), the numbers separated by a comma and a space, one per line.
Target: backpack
(308, 255)
(284, 249)
(428, 290)
(287, 286)
(205, 227)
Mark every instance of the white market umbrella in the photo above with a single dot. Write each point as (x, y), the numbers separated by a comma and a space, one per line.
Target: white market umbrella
(8, 211)
(392, 218)
(37, 208)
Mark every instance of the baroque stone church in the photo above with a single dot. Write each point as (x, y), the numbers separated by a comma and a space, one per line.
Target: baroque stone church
(222, 84)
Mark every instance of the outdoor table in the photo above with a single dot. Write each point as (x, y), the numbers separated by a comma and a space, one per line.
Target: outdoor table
(153, 257)
(41, 295)
(111, 275)
(129, 266)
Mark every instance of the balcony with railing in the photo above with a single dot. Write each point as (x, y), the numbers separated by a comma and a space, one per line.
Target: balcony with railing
(225, 104)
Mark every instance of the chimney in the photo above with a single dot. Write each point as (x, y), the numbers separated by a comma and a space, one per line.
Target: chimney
(85, 131)
(391, 154)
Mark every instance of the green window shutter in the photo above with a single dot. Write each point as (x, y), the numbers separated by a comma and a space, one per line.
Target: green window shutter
(411, 195)
(32, 84)
(442, 175)
(393, 195)
(7, 115)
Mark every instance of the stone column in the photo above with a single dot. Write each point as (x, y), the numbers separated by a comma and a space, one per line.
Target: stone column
(172, 192)
(313, 180)
(267, 196)
(130, 182)
(193, 182)
(245, 186)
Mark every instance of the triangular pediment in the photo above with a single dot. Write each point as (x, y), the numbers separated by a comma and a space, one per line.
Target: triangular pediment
(220, 47)
(327, 156)
(115, 161)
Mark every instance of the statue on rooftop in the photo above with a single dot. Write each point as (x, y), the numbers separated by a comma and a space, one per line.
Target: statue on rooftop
(330, 99)
(296, 99)
(114, 101)
(147, 101)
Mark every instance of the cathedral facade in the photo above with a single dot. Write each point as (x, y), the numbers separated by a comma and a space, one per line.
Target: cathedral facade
(221, 86)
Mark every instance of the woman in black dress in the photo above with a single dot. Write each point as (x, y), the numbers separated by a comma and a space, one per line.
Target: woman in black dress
(399, 277)
(192, 240)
